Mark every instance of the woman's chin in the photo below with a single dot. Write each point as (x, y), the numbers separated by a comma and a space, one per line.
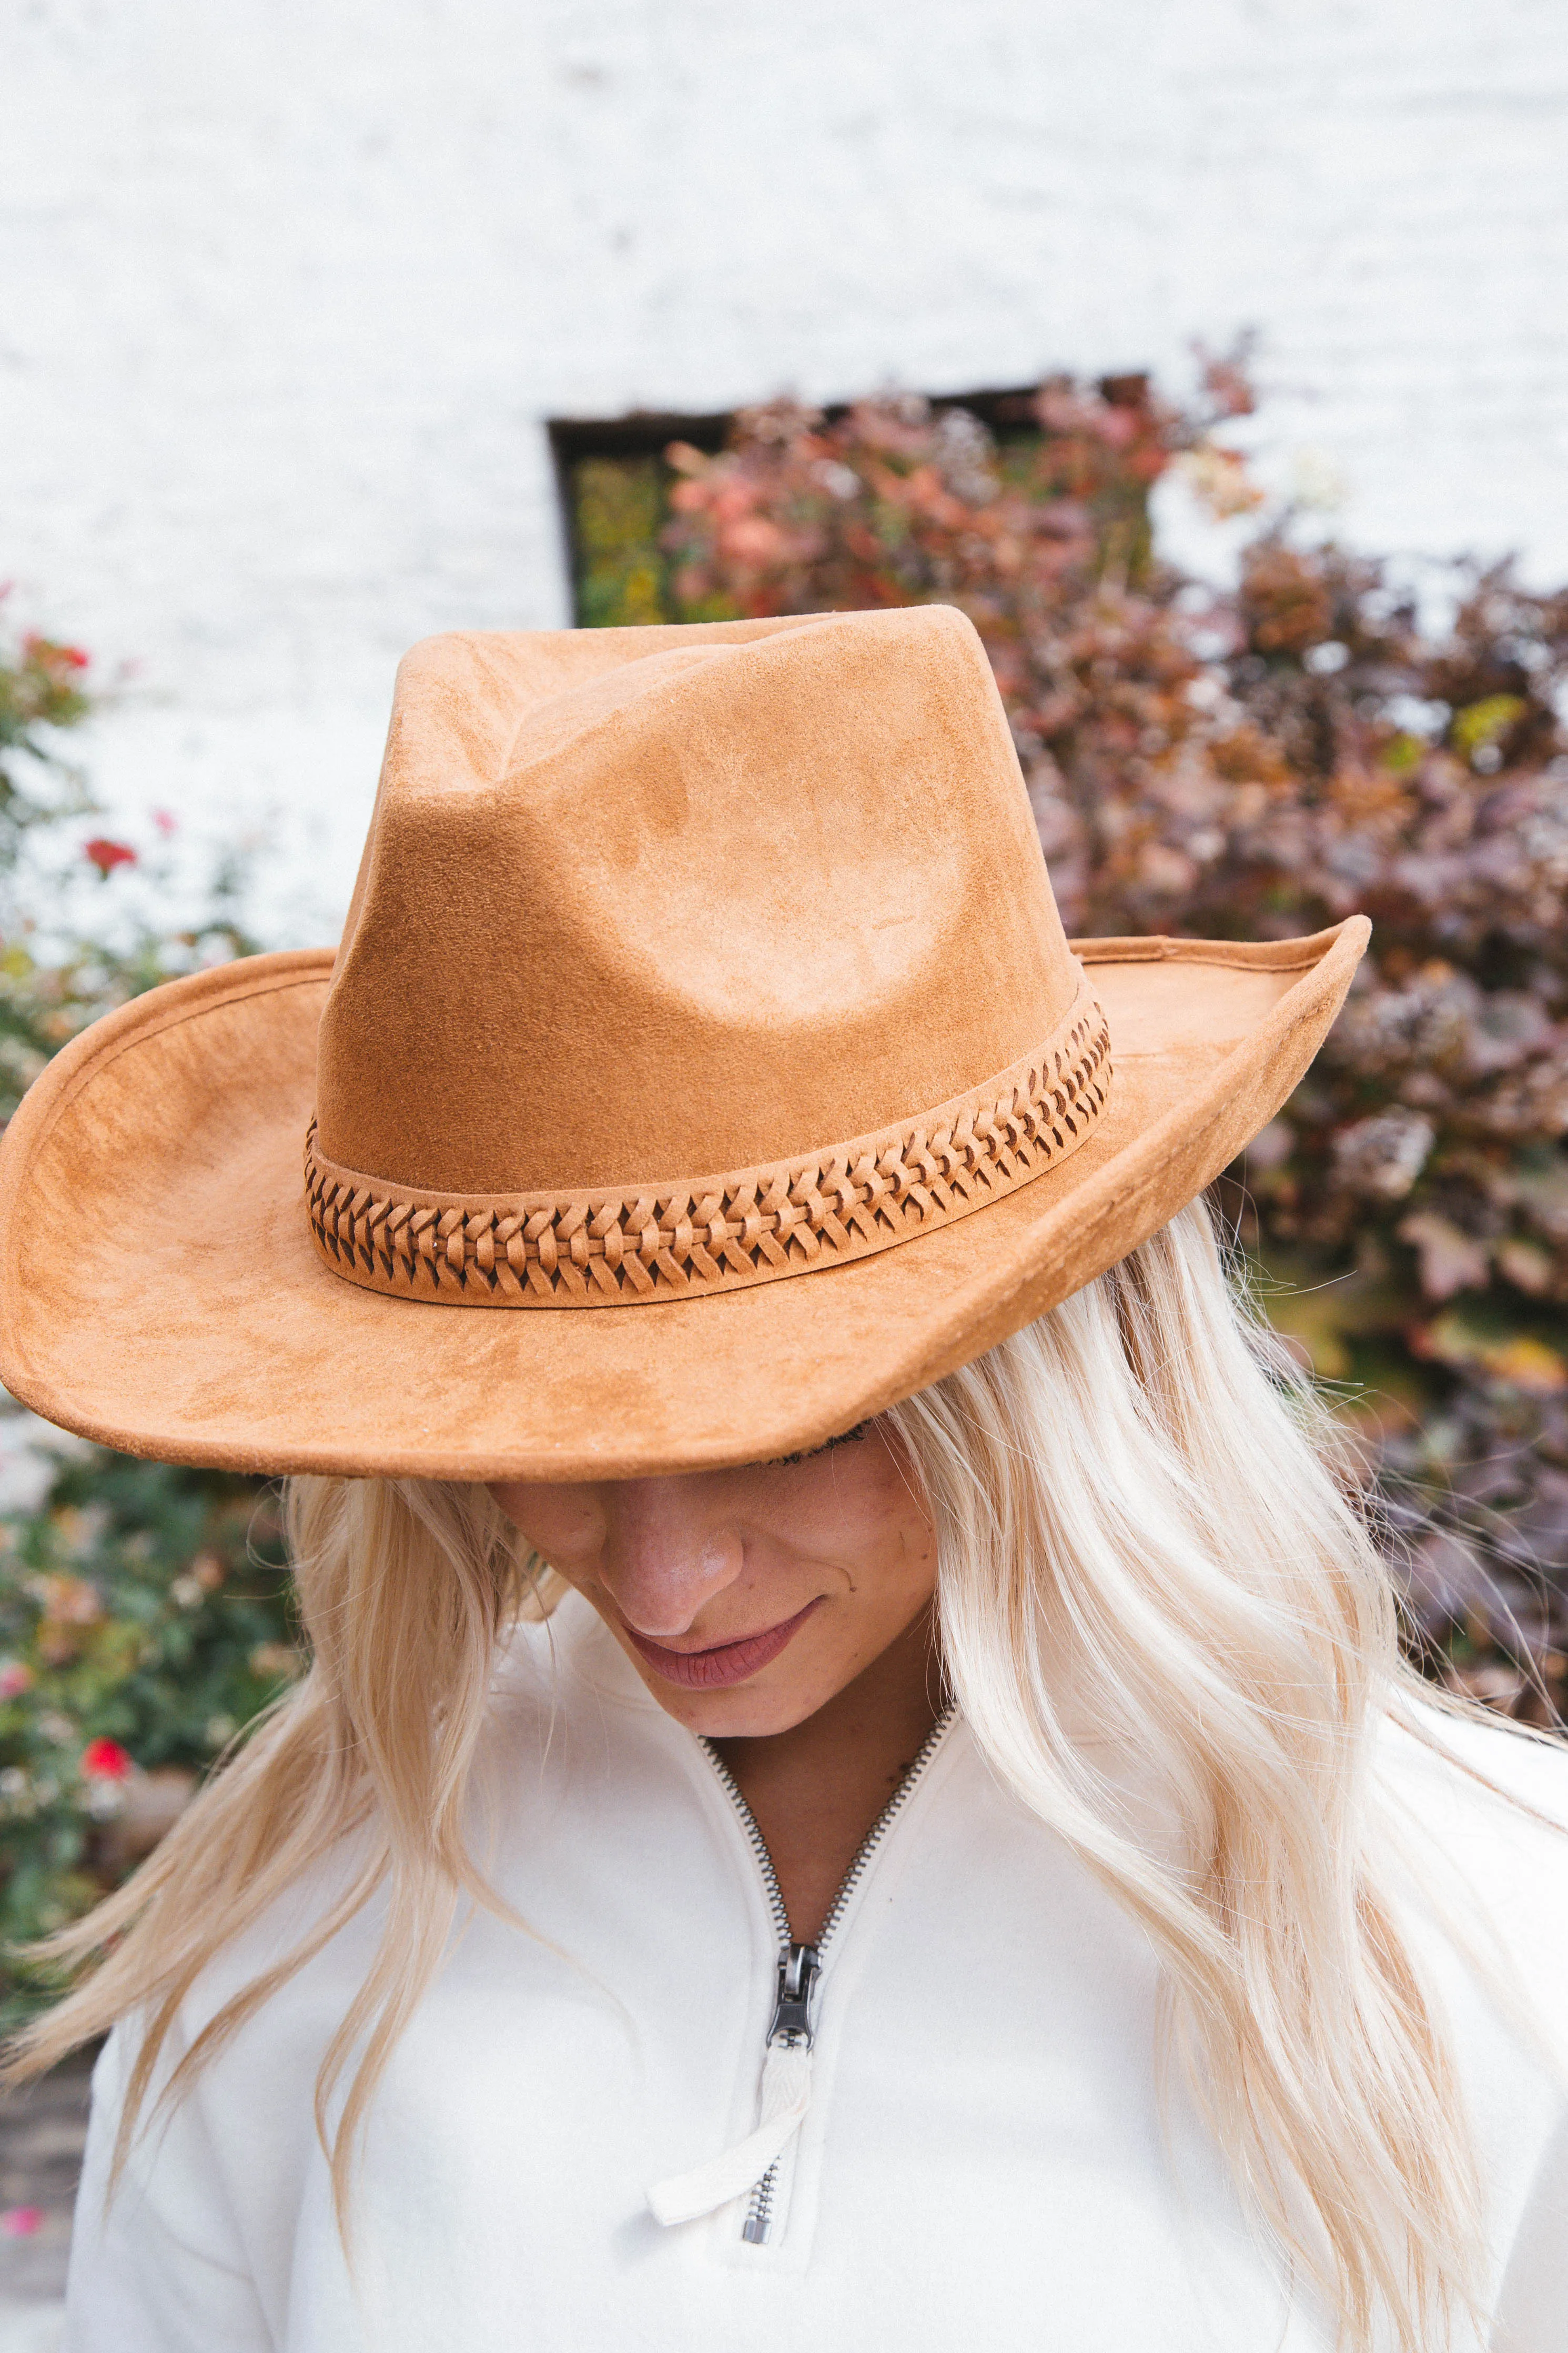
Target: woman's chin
(767, 1702)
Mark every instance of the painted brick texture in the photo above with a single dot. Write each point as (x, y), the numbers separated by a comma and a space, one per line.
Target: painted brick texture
(290, 289)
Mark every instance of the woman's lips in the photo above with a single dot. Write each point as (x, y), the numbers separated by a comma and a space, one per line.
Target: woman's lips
(725, 1663)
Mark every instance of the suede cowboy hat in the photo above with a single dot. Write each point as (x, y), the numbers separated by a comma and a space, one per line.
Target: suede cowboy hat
(704, 1068)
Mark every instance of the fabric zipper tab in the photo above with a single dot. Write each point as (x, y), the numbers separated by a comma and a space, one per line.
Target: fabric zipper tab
(786, 2097)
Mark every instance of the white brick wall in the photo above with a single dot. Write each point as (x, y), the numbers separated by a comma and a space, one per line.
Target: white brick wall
(289, 288)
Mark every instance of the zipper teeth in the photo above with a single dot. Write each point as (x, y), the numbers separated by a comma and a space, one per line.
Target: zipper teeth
(760, 2213)
(754, 1840)
(881, 1826)
(863, 1852)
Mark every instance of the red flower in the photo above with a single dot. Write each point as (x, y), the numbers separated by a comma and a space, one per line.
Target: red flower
(49, 655)
(22, 2222)
(106, 855)
(105, 1760)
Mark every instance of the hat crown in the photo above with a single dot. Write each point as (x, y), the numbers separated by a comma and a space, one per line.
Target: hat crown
(644, 903)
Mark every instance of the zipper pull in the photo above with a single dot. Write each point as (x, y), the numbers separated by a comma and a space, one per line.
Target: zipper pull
(784, 2096)
(799, 1968)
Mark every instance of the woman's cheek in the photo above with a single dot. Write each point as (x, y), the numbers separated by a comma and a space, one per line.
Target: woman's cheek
(565, 1529)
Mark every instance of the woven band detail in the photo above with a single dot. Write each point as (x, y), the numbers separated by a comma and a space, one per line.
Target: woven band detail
(677, 1241)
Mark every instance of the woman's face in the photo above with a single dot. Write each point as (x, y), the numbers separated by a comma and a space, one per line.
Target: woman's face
(746, 1599)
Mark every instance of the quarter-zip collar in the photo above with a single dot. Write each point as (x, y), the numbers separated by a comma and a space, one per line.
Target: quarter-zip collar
(784, 2095)
(756, 2168)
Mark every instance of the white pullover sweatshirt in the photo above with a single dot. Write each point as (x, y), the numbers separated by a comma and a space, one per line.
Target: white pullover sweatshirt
(973, 2153)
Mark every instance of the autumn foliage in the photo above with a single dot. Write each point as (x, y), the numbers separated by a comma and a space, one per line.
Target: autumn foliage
(1253, 764)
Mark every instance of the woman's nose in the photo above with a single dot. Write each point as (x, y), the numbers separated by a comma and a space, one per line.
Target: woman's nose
(665, 1555)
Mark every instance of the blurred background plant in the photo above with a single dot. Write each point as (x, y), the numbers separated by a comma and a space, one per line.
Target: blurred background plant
(43, 691)
(143, 1610)
(143, 1620)
(58, 976)
(1252, 762)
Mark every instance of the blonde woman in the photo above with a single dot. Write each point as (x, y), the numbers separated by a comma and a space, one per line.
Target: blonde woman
(855, 1784)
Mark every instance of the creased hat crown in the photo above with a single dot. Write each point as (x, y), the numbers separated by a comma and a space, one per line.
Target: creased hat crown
(701, 908)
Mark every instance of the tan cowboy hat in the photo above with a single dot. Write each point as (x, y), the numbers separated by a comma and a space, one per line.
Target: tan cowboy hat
(703, 1068)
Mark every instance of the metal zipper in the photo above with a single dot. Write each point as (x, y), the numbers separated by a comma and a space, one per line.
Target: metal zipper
(800, 1966)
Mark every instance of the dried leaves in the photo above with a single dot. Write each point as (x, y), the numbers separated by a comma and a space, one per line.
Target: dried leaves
(1256, 765)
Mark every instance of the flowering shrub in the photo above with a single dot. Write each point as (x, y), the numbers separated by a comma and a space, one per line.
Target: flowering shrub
(143, 1620)
(43, 689)
(143, 1610)
(1253, 765)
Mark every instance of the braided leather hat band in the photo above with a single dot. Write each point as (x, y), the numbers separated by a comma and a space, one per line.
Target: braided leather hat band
(678, 1240)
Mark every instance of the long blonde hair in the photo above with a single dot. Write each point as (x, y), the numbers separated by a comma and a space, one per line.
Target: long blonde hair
(1142, 1540)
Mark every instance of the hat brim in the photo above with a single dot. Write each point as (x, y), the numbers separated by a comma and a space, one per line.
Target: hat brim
(159, 1290)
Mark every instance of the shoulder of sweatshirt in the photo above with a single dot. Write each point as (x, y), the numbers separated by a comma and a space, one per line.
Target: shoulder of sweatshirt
(548, 1675)
(1479, 1811)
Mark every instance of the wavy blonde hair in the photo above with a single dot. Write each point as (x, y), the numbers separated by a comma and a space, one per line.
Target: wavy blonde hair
(1143, 1538)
